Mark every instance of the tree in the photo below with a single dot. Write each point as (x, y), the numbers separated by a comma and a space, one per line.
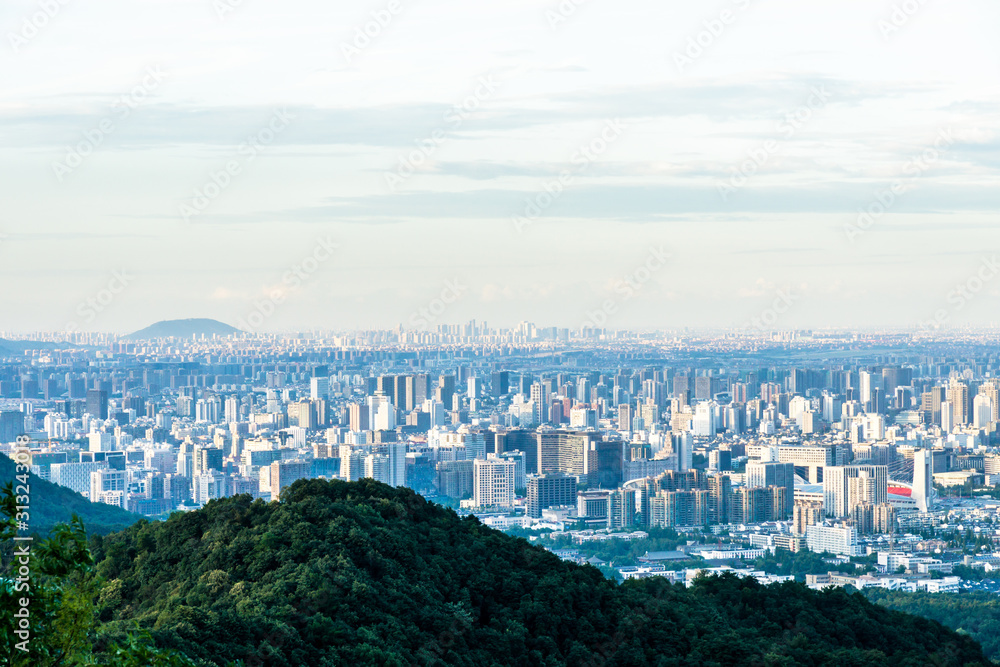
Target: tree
(47, 604)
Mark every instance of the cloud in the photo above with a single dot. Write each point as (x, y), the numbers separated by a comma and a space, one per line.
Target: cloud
(57, 122)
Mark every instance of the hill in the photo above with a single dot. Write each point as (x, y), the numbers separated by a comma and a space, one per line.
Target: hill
(183, 329)
(360, 573)
(51, 504)
(976, 613)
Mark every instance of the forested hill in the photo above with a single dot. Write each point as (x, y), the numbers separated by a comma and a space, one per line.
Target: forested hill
(362, 574)
(50, 504)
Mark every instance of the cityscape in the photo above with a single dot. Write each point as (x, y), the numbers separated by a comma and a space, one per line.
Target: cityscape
(534, 333)
(858, 450)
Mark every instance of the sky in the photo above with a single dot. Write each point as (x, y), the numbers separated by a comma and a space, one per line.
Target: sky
(306, 165)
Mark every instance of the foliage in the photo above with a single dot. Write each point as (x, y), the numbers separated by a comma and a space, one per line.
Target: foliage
(800, 564)
(360, 573)
(56, 580)
(52, 504)
(976, 614)
(972, 573)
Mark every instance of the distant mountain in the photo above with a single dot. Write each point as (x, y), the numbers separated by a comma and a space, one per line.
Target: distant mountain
(52, 504)
(183, 329)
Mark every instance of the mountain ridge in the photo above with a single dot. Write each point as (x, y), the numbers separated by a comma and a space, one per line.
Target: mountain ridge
(51, 504)
(361, 573)
(184, 328)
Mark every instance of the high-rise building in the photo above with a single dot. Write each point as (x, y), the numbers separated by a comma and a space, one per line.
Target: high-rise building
(97, 403)
(358, 417)
(319, 388)
(703, 388)
(582, 418)
(846, 486)
(232, 410)
(592, 505)
(930, 405)
(11, 425)
(621, 508)
(624, 417)
(598, 462)
(719, 498)
(922, 479)
(958, 396)
(284, 473)
(493, 482)
(382, 412)
(446, 390)
(720, 460)
(108, 486)
(805, 514)
(982, 411)
(991, 390)
(770, 473)
(520, 476)
(683, 444)
(550, 490)
(455, 478)
(839, 540)
(75, 476)
(499, 384)
(947, 417)
(679, 508)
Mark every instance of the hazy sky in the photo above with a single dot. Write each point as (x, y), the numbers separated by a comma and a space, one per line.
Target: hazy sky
(427, 153)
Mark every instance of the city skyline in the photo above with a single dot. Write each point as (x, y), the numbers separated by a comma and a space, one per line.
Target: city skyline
(535, 331)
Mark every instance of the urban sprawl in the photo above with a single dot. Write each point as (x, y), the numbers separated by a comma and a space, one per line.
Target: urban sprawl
(876, 450)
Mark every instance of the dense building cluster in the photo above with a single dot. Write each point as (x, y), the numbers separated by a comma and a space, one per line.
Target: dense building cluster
(589, 430)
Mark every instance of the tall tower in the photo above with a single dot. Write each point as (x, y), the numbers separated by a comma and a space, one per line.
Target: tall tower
(922, 476)
(947, 416)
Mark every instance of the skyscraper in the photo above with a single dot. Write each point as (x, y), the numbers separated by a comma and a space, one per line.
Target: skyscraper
(446, 390)
(846, 486)
(982, 411)
(773, 474)
(922, 479)
(621, 508)
(958, 396)
(97, 403)
(11, 425)
(500, 384)
(319, 387)
(947, 416)
(493, 482)
(546, 491)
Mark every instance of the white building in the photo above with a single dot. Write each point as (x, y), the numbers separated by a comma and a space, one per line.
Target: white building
(75, 476)
(101, 441)
(923, 478)
(982, 411)
(841, 540)
(493, 482)
(703, 424)
(108, 486)
(844, 487)
(947, 417)
(583, 418)
(383, 413)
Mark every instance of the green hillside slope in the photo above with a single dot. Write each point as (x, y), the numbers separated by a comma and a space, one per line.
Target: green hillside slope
(51, 504)
(362, 574)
